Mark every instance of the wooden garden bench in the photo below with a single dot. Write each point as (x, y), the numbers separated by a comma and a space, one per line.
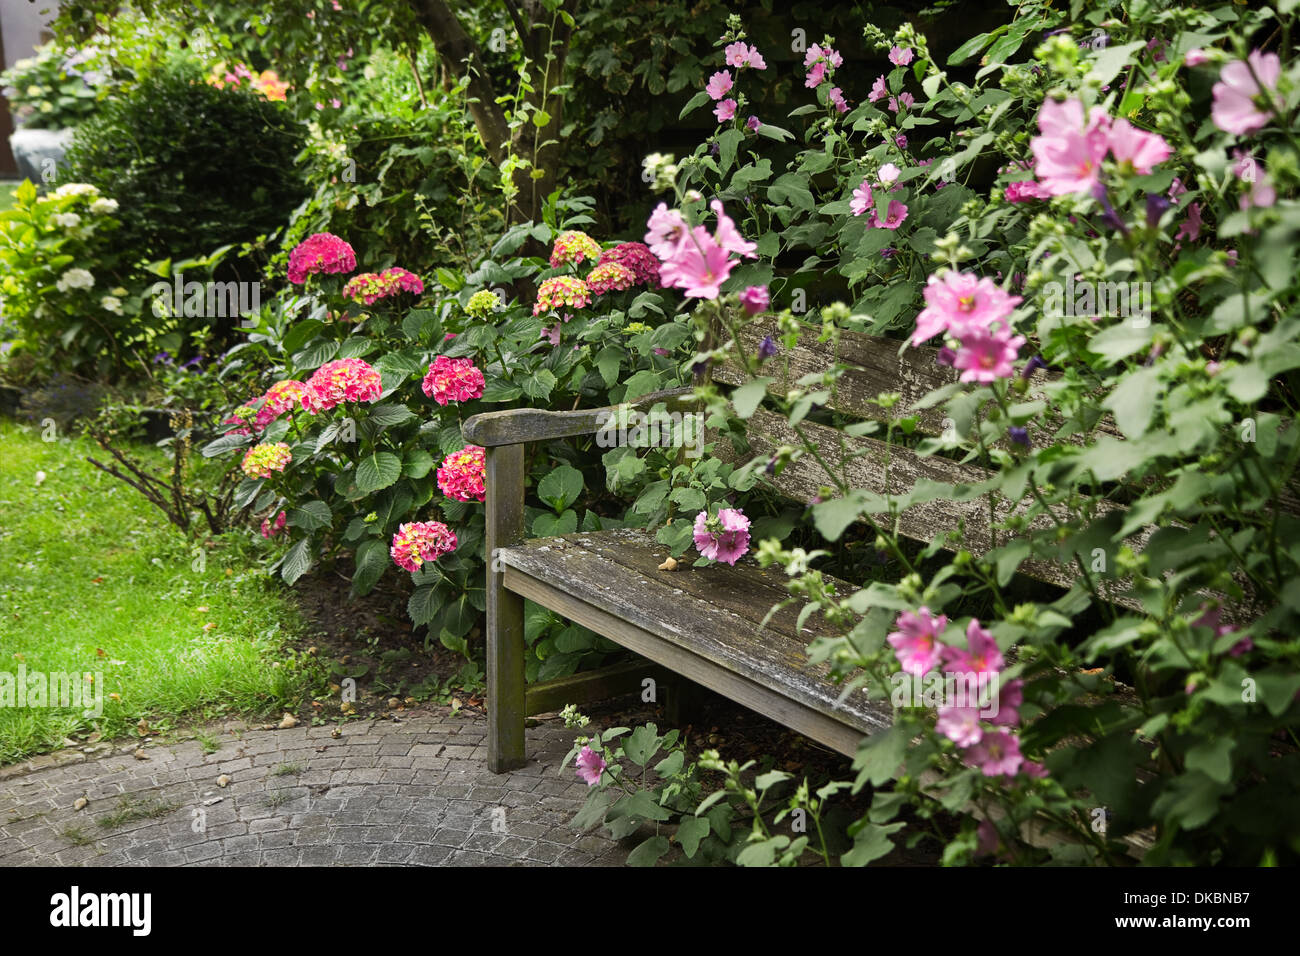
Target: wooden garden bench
(708, 624)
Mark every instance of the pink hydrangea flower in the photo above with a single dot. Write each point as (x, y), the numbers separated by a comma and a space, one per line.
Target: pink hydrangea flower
(916, 642)
(1069, 152)
(862, 199)
(418, 541)
(320, 252)
(997, 754)
(637, 257)
(1239, 96)
(345, 380)
(719, 84)
(573, 246)
(981, 655)
(755, 299)
(260, 460)
(1136, 150)
(725, 110)
(453, 380)
(961, 725)
(900, 55)
(270, 530)
(610, 276)
(724, 538)
(589, 766)
(562, 291)
(462, 474)
(241, 417)
(878, 90)
(279, 398)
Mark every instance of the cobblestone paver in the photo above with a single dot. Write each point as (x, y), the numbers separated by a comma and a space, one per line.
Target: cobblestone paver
(416, 793)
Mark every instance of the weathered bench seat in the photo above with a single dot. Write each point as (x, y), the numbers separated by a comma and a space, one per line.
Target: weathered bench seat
(705, 624)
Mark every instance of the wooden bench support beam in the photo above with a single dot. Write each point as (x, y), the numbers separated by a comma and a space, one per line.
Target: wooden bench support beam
(615, 680)
(505, 611)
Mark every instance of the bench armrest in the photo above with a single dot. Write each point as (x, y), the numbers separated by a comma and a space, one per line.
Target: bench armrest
(515, 426)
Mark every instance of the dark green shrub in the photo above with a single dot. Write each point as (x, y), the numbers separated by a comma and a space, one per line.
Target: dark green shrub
(193, 167)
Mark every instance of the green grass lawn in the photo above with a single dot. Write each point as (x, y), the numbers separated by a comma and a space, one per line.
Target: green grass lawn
(93, 580)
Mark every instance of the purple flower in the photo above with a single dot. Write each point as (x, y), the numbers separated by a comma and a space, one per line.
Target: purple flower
(1109, 216)
(1035, 362)
(888, 252)
(1019, 435)
(1157, 206)
(163, 358)
(766, 348)
(753, 123)
(946, 356)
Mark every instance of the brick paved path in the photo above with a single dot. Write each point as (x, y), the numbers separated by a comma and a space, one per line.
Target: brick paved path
(415, 792)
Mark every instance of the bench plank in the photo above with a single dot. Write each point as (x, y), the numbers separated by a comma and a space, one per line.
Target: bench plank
(685, 621)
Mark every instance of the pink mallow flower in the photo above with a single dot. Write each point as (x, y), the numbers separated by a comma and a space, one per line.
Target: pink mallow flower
(836, 98)
(725, 110)
(900, 55)
(589, 766)
(961, 725)
(755, 299)
(987, 355)
(666, 229)
(453, 380)
(960, 301)
(701, 263)
(1023, 191)
(1135, 150)
(1242, 101)
(719, 84)
(1068, 154)
(981, 655)
(1011, 695)
(894, 216)
(997, 754)
(878, 90)
(724, 538)
(916, 642)
(862, 199)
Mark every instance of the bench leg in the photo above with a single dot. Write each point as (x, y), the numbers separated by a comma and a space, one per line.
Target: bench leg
(505, 611)
(683, 704)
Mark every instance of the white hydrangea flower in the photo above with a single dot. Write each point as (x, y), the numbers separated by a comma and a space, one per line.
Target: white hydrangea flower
(75, 279)
(67, 220)
(111, 303)
(77, 189)
(102, 207)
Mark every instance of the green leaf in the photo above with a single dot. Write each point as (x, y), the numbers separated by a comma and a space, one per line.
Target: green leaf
(870, 844)
(746, 397)
(832, 517)
(1213, 758)
(310, 515)
(728, 140)
(561, 487)
(381, 416)
(296, 561)
(879, 758)
(416, 463)
(642, 745)
(378, 471)
(694, 103)
(372, 561)
(690, 832)
(1134, 401)
(424, 604)
(649, 852)
(316, 354)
